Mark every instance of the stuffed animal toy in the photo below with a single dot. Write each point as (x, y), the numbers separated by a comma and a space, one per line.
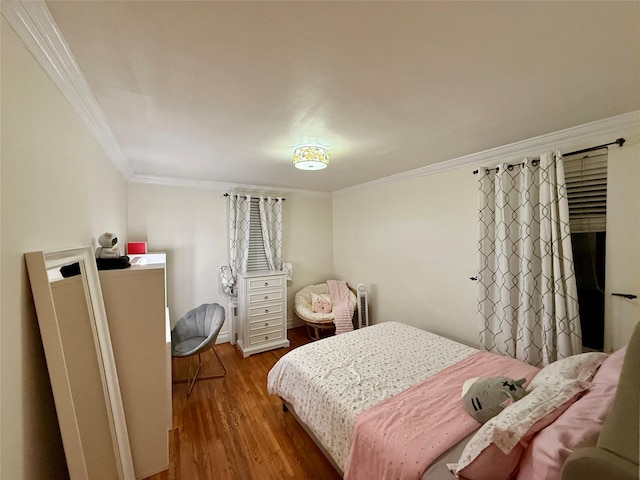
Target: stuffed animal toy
(321, 303)
(484, 398)
(107, 248)
(108, 255)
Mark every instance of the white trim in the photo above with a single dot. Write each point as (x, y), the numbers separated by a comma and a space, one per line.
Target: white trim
(601, 131)
(224, 337)
(231, 187)
(295, 323)
(36, 27)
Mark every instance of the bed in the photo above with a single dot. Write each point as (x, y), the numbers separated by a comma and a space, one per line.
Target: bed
(384, 402)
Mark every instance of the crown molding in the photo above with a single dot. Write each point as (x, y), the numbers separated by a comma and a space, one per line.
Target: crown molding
(34, 24)
(626, 125)
(231, 187)
(36, 27)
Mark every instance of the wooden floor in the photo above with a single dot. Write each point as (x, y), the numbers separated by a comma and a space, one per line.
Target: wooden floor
(230, 428)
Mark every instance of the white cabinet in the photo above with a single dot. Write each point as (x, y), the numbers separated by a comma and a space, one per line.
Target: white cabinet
(262, 312)
(135, 303)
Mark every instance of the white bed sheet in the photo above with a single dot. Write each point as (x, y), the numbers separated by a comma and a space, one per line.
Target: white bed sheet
(331, 381)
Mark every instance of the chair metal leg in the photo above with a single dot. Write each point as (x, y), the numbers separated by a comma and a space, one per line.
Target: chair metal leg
(221, 364)
(191, 381)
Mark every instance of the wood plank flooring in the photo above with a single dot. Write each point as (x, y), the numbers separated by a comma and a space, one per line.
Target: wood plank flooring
(230, 428)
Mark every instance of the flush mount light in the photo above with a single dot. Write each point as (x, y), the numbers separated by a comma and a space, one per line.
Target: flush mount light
(310, 157)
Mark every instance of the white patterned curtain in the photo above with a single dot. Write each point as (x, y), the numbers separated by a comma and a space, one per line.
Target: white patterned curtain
(528, 299)
(271, 221)
(239, 222)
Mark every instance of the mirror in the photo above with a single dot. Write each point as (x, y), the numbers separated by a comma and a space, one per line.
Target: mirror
(77, 345)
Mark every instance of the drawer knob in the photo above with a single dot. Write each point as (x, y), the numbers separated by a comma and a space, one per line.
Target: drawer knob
(266, 338)
(266, 324)
(266, 310)
(266, 284)
(266, 297)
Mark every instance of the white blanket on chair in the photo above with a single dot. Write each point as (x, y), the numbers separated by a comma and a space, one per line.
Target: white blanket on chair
(342, 312)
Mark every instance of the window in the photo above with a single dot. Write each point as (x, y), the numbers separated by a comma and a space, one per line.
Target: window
(257, 256)
(586, 180)
(255, 235)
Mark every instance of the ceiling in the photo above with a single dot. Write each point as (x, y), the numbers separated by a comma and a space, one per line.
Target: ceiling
(224, 91)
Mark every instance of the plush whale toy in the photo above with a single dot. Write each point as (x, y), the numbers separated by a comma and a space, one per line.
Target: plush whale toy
(484, 398)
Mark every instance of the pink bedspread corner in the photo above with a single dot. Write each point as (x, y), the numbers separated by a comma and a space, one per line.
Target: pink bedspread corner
(400, 437)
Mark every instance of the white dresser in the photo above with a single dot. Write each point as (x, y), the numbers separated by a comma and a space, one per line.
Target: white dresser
(262, 311)
(136, 306)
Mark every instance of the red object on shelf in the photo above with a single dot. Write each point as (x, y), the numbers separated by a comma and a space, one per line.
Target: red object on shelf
(136, 248)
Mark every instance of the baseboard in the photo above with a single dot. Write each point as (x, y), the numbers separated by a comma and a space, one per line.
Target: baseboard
(223, 337)
(294, 323)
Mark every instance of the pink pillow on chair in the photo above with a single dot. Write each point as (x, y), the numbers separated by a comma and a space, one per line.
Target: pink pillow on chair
(321, 303)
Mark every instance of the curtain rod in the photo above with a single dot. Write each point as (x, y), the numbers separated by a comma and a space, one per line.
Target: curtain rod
(244, 196)
(620, 142)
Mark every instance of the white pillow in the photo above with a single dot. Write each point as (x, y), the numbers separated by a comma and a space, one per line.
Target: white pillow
(494, 444)
(576, 367)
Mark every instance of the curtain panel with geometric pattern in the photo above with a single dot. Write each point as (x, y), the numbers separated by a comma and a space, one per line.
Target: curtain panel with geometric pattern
(239, 225)
(255, 238)
(528, 300)
(271, 221)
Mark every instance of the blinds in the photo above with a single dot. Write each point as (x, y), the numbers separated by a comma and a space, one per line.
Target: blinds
(586, 180)
(257, 257)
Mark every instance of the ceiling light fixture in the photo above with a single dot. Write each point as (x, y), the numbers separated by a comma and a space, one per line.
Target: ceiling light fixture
(310, 157)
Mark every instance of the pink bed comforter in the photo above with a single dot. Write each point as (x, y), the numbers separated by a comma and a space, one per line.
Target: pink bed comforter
(400, 437)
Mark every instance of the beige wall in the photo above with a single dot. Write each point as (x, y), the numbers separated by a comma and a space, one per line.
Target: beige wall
(185, 224)
(58, 190)
(413, 242)
(190, 224)
(623, 245)
(307, 242)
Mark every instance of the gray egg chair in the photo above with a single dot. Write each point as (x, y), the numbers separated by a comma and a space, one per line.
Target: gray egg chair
(194, 333)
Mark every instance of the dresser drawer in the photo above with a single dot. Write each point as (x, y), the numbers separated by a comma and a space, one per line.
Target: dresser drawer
(266, 296)
(264, 282)
(265, 324)
(264, 310)
(266, 336)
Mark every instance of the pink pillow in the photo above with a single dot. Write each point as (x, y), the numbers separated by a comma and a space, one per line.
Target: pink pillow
(494, 451)
(494, 464)
(578, 427)
(321, 303)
